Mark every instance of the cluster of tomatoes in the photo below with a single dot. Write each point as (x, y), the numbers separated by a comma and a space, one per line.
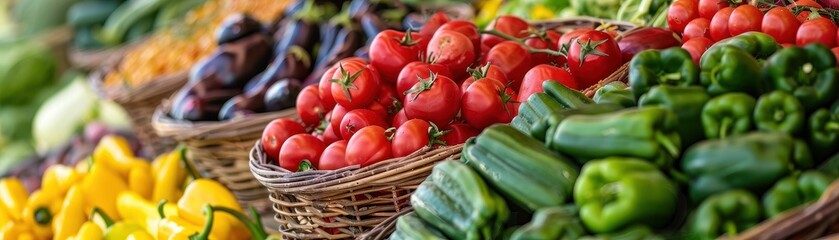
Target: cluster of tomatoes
(703, 22)
(438, 86)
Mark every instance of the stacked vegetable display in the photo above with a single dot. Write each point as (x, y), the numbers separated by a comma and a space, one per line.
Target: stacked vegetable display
(113, 196)
(688, 151)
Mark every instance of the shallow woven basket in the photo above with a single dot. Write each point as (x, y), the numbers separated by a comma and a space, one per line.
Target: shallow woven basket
(219, 149)
(140, 102)
(347, 202)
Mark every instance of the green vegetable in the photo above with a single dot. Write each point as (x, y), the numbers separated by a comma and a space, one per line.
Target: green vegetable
(615, 93)
(686, 102)
(830, 166)
(26, 66)
(641, 12)
(824, 132)
(543, 126)
(129, 13)
(752, 161)
(37, 16)
(672, 66)
(140, 29)
(759, 45)
(649, 133)
(455, 200)
(567, 97)
(779, 112)
(175, 10)
(615, 192)
(13, 154)
(727, 212)
(808, 73)
(794, 191)
(534, 109)
(90, 13)
(605, 9)
(559, 223)
(728, 115)
(521, 168)
(411, 226)
(726, 69)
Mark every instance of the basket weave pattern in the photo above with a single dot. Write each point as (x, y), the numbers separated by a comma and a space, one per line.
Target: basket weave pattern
(347, 202)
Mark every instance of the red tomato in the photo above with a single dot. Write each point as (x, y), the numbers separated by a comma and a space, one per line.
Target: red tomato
(358, 119)
(391, 50)
(330, 135)
(508, 25)
(468, 29)
(368, 146)
(391, 100)
(513, 58)
(325, 88)
(805, 14)
(299, 148)
(430, 27)
(819, 30)
(413, 71)
(681, 13)
(410, 137)
(745, 18)
(333, 156)
(835, 54)
(699, 27)
(379, 109)
(540, 43)
(356, 86)
(453, 50)
(488, 70)
(336, 116)
(309, 106)
(400, 118)
(719, 24)
(781, 24)
(533, 80)
(276, 133)
(567, 38)
(707, 8)
(554, 36)
(696, 47)
(458, 133)
(435, 99)
(485, 103)
(593, 56)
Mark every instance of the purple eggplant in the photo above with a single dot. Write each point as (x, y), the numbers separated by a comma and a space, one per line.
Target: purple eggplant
(349, 39)
(252, 55)
(213, 72)
(282, 94)
(237, 26)
(297, 33)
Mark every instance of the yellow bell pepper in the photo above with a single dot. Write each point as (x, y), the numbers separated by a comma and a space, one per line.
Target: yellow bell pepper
(68, 222)
(13, 196)
(4, 217)
(59, 178)
(173, 227)
(140, 235)
(13, 230)
(89, 230)
(201, 192)
(102, 186)
(134, 208)
(169, 178)
(83, 166)
(114, 152)
(40, 210)
(140, 178)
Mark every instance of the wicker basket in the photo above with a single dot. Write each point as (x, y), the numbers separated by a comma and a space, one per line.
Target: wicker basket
(140, 103)
(219, 149)
(347, 202)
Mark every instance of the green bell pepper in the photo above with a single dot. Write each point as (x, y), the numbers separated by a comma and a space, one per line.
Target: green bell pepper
(727, 115)
(728, 212)
(648, 133)
(672, 66)
(824, 132)
(728, 69)
(616, 192)
(686, 102)
(830, 166)
(759, 45)
(753, 162)
(779, 112)
(794, 191)
(635, 232)
(808, 73)
(552, 223)
(615, 93)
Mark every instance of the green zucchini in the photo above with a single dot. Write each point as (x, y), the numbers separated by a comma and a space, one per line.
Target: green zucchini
(569, 98)
(411, 226)
(90, 13)
(126, 15)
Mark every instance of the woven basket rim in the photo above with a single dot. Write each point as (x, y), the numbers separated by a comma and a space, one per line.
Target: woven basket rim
(159, 87)
(585, 20)
(167, 126)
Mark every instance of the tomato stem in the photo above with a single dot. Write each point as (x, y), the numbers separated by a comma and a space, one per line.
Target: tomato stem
(520, 41)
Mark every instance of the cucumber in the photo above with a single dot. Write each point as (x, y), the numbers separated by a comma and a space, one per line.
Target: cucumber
(411, 226)
(126, 15)
(569, 98)
(140, 29)
(544, 104)
(90, 13)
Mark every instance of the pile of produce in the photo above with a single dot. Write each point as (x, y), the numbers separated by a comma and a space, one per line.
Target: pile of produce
(689, 151)
(116, 195)
(105, 23)
(640, 12)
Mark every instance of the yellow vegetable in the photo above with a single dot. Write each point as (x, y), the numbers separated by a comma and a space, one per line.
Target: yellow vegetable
(42, 206)
(68, 222)
(174, 227)
(14, 230)
(13, 197)
(134, 208)
(140, 179)
(140, 235)
(59, 178)
(169, 178)
(115, 153)
(89, 230)
(103, 186)
(201, 192)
